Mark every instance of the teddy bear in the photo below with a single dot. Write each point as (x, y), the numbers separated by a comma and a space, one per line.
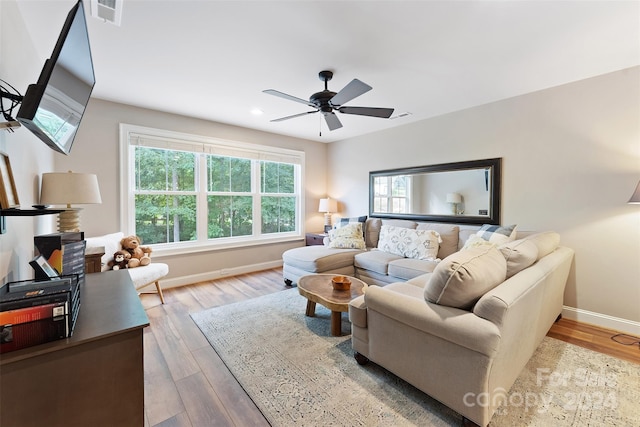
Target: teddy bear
(140, 255)
(120, 260)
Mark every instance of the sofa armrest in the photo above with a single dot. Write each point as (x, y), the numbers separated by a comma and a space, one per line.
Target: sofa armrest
(398, 301)
(358, 312)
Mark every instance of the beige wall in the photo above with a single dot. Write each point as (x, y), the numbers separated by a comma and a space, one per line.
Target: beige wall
(571, 159)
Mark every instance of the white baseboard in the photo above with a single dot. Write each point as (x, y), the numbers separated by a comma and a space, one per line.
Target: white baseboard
(174, 282)
(602, 320)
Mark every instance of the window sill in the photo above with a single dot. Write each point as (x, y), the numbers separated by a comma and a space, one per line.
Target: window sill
(164, 250)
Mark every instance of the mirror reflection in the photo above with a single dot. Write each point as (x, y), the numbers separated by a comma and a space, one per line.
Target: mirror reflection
(457, 192)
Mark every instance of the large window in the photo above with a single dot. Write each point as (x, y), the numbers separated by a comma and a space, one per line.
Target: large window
(189, 190)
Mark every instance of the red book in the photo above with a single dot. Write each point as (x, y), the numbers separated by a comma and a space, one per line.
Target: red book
(15, 337)
(31, 314)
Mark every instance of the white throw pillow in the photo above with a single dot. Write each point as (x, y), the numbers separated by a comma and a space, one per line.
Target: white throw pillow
(546, 242)
(462, 278)
(348, 236)
(409, 243)
(475, 241)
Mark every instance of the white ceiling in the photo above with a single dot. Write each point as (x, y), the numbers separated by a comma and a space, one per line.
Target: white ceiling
(212, 59)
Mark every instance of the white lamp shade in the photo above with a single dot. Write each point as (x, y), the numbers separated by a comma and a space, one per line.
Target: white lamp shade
(635, 197)
(454, 198)
(328, 205)
(67, 188)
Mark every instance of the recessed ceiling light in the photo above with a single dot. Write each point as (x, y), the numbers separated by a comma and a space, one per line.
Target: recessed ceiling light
(256, 111)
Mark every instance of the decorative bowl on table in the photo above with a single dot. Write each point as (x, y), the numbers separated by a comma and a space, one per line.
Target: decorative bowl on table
(341, 283)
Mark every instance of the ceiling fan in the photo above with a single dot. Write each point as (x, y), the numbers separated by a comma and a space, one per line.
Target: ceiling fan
(327, 102)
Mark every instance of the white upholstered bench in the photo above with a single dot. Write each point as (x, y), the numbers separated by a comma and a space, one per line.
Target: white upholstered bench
(140, 276)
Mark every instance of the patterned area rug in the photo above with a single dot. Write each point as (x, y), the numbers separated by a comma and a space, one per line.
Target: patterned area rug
(298, 374)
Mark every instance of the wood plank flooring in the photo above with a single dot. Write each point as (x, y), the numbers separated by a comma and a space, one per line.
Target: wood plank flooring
(188, 385)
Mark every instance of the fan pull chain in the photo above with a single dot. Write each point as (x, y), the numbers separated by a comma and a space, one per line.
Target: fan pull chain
(320, 125)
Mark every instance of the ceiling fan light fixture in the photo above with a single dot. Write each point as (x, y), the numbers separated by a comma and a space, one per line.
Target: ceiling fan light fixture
(327, 102)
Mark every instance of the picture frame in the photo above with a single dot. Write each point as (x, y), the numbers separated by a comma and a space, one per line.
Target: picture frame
(43, 270)
(8, 191)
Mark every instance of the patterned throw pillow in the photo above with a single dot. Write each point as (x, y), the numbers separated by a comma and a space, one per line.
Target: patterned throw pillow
(497, 234)
(348, 236)
(409, 243)
(344, 221)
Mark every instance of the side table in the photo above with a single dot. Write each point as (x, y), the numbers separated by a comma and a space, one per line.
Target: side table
(315, 238)
(93, 260)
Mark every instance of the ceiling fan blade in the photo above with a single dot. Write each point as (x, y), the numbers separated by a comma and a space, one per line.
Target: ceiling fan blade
(385, 113)
(354, 89)
(294, 116)
(332, 121)
(289, 97)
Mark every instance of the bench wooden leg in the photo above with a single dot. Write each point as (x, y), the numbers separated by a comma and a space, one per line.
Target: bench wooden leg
(159, 291)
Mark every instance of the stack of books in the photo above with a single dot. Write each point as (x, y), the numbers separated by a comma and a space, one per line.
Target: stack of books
(35, 312)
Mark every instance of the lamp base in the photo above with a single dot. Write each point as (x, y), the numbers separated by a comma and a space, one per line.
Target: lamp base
(69, 220)
(327, 220)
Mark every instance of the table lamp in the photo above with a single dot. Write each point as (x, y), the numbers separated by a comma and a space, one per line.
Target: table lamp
(67, 188)
(455, 199)
(327, 206)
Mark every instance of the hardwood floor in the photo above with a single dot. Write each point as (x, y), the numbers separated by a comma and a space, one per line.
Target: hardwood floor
(187, 384)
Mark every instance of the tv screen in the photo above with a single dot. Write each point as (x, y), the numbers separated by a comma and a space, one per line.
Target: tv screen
(53, 107)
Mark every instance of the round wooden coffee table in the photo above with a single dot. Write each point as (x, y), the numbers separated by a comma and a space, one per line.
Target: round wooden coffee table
(317, 288)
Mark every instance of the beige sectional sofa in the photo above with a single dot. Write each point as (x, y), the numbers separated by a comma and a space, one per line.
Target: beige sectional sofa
(460, 329)
(371, 265)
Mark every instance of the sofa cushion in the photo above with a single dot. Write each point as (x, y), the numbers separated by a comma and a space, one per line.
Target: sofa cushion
(546, 242)
(348, 236)
(404, 223)
(497, 234)
(377, 261)
(318, 259)
(409, 243)
(407, 268)
(372, 232)
(448, 234)
(519, 255)
(462, 278)
(465, 233)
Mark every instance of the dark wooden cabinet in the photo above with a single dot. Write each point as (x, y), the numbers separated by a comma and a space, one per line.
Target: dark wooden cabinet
(315, 238)
(94, 378)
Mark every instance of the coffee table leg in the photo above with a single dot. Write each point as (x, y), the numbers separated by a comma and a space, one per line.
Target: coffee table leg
(336, 323)
(311, 308)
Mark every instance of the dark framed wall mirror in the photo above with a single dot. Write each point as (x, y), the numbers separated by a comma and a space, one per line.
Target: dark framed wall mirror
(461, 192)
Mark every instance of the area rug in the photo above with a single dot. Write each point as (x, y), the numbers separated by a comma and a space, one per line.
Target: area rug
(298, 374)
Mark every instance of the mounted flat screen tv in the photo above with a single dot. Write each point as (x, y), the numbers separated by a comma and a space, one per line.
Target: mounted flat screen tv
(53, 107)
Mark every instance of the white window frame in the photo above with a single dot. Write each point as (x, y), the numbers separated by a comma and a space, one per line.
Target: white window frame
(160, 138)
